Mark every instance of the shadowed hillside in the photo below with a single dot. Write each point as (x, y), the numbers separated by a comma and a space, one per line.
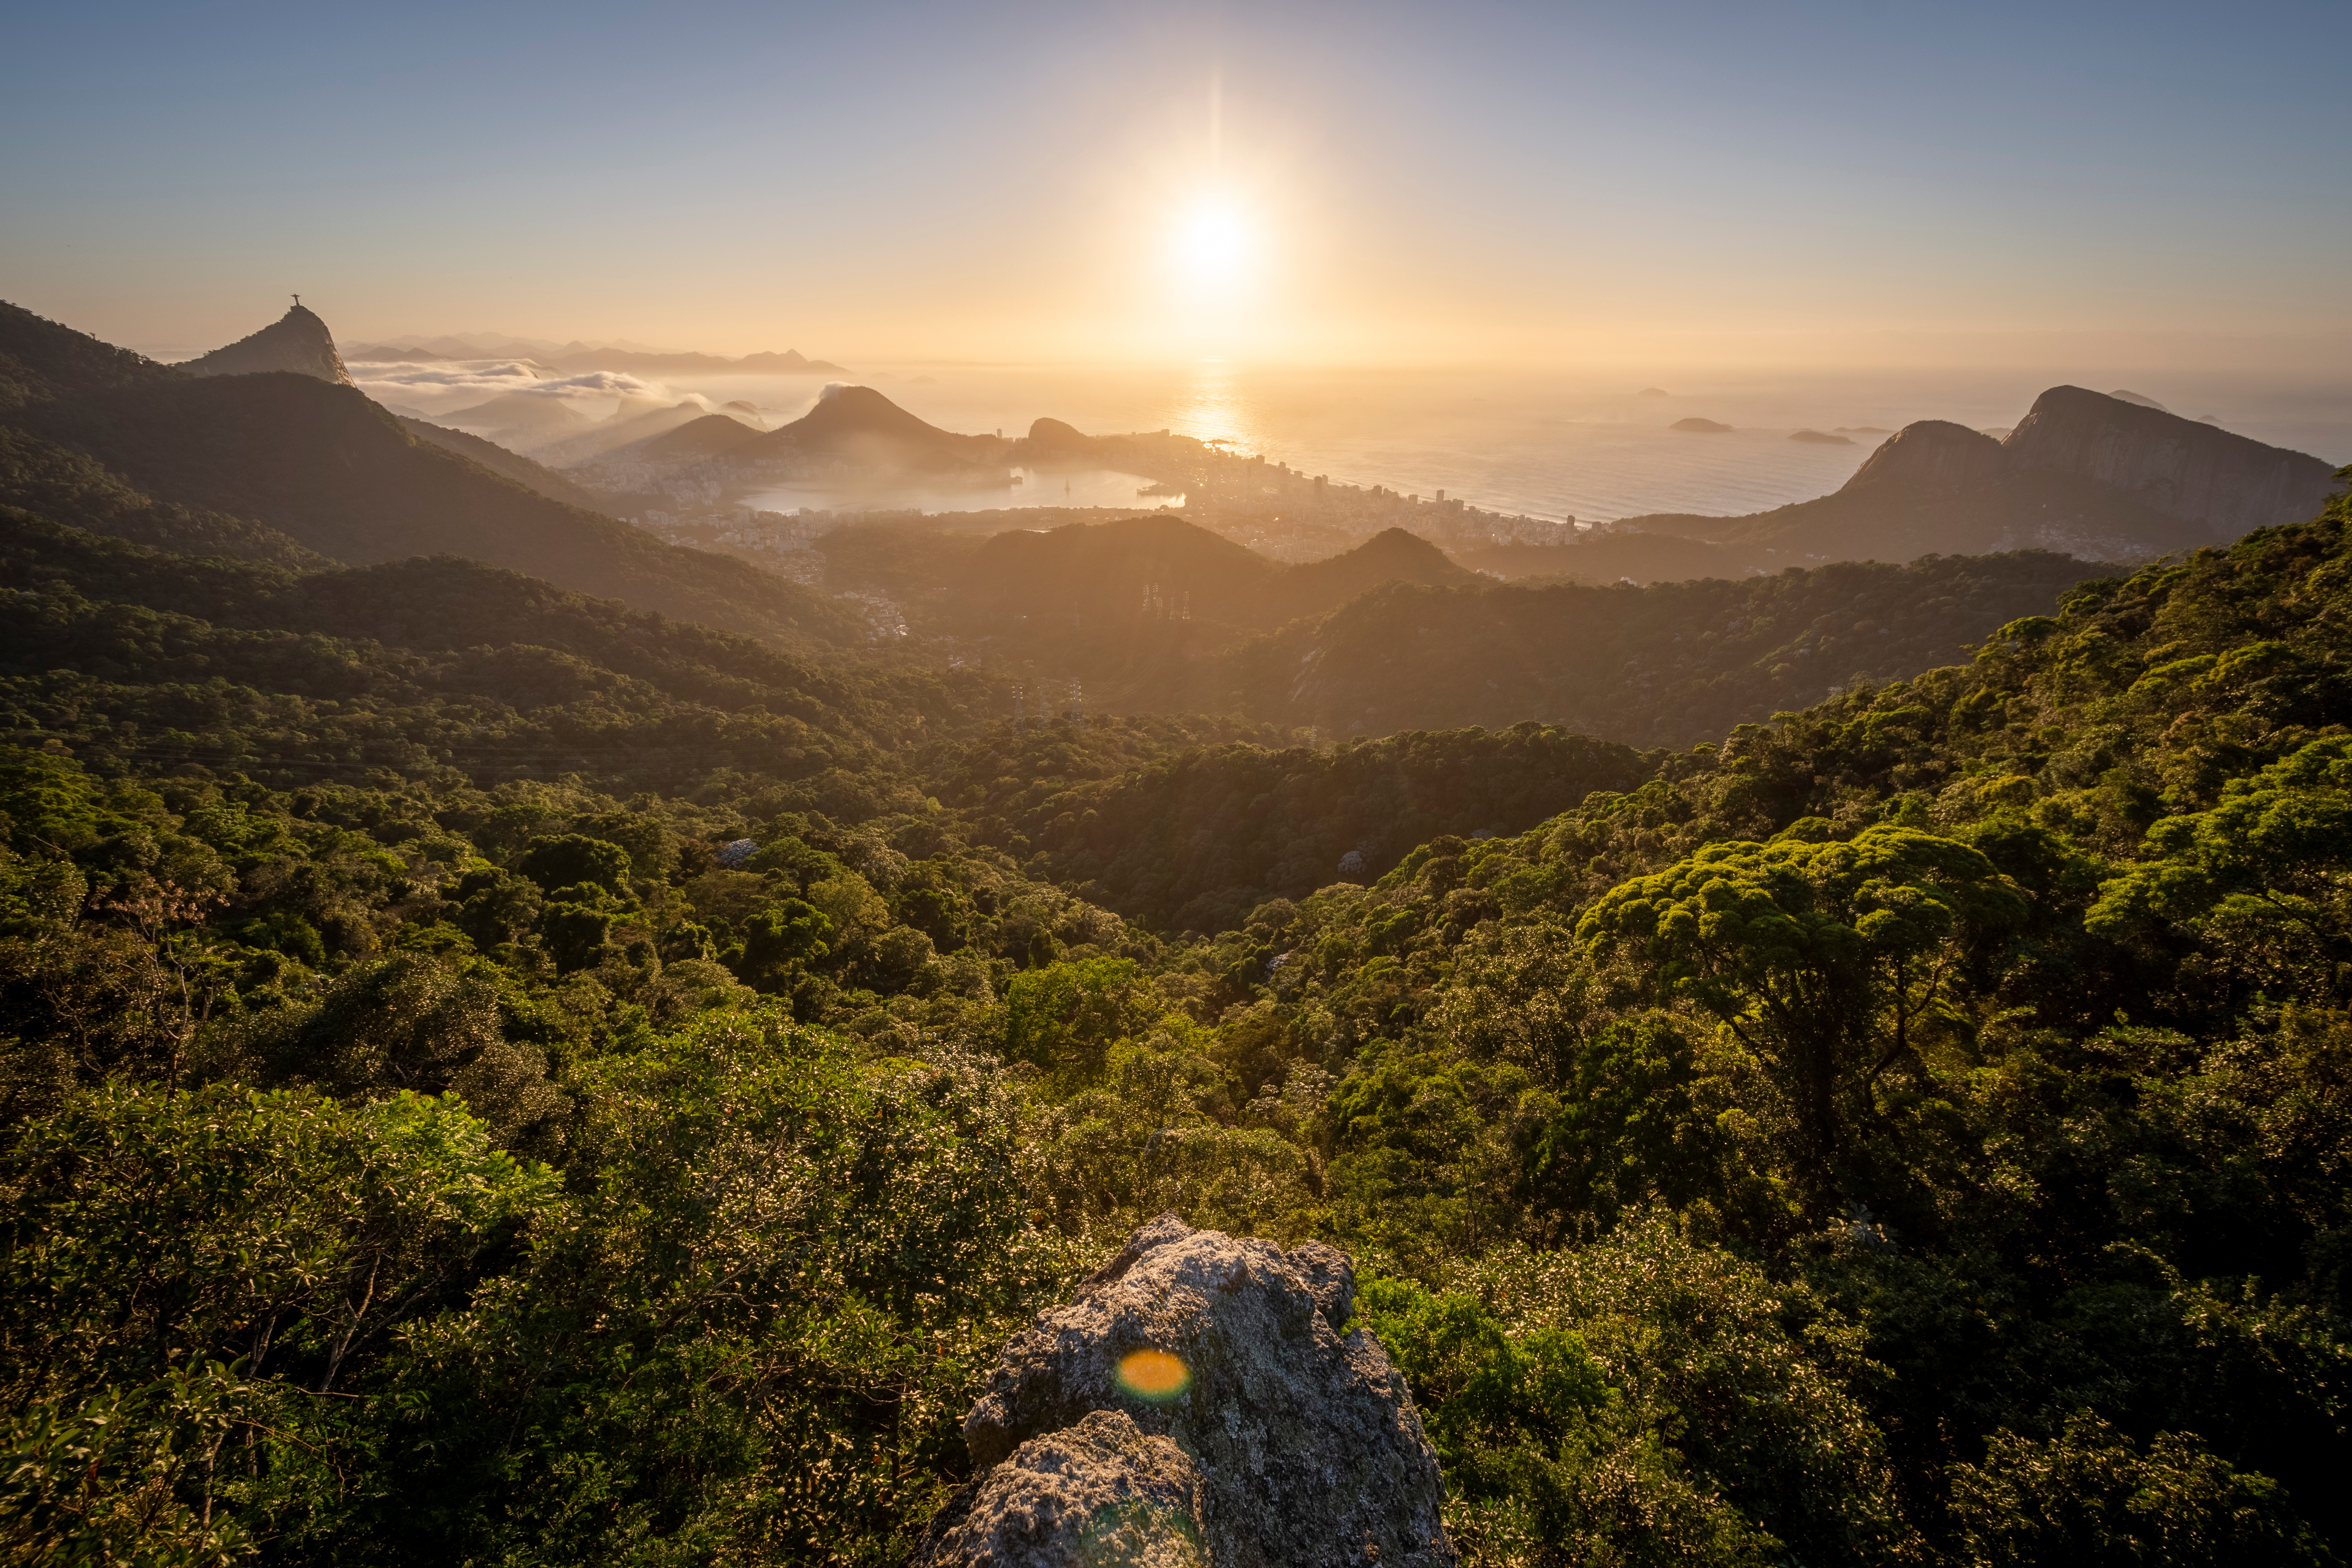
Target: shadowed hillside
(1195, 841)
(321, 465)
(1669, 663)
(510, 465)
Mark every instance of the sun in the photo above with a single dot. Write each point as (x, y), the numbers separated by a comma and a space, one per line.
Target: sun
(1213, 245)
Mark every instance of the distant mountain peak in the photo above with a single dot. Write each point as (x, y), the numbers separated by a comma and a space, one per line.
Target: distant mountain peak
(841, 408)
(2184, 468)
(298, 341)
(1931, 451)
(1399, 543)
(1058, 436)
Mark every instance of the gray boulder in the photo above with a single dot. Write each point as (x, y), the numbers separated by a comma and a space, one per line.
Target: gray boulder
(1097, 1493)
(1306, 1444)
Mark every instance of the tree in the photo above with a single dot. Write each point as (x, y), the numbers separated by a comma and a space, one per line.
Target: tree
(188, 1275)
(781, 939)
(1064, 1018)
(1825, 959)
(1626, 1127)
(2090, 1497)
(2262, 875)
(570, 858)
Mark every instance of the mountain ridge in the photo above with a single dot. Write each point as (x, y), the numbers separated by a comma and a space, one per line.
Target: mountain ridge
(320, 465)
(298, 340)
(2083, 473)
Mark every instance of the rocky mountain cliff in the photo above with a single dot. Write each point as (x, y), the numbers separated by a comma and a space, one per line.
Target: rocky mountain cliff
(2086, 474)
(1197, 1404)
(2185, 468)
(298, 340)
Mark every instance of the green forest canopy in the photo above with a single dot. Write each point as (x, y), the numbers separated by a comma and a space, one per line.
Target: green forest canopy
(605, 1097)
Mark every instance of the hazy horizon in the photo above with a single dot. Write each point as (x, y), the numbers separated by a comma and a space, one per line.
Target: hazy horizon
(1711, 188)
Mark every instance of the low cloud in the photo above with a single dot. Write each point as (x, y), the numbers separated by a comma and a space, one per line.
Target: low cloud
(489, 378)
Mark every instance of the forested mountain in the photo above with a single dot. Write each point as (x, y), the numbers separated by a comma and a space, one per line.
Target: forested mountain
(859, 425)
(1196, 839)
(488, 1072)
(426, 664)
(1100, 593)
(633, 425)
(1905, 1133)
(694, 441)
(1154, 616)
(1665, 664)
(321, 465)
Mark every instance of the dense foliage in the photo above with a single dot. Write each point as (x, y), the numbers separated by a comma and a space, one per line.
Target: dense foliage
(488, 1075)
(1193, 840)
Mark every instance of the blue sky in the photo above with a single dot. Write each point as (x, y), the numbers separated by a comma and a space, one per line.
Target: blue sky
(1471, 181)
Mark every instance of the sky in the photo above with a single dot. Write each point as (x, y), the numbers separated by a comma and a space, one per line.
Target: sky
(1363, 184)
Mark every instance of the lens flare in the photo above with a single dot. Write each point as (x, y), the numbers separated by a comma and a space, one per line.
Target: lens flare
(1153, 1375)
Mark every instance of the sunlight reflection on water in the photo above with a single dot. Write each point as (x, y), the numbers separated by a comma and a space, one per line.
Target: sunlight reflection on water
(1038, 486)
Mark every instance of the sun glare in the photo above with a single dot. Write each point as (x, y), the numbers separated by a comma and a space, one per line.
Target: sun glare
(1213, 245)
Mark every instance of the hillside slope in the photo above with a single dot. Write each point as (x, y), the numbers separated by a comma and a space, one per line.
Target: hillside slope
(510, 465)
(325, 466)
(1111, 580)
(418, 665)
(1666, 664)
(72, 487)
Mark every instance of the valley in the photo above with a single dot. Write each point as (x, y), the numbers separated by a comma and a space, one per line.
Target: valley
(1862, 979)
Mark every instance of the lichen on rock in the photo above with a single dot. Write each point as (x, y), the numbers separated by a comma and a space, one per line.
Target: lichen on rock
(1099, 1493)
(1227, 1351)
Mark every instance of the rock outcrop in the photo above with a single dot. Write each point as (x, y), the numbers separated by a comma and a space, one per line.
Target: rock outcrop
(1098, 1492)
(2184, 468)
(298, 340)
(1197, 1359)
